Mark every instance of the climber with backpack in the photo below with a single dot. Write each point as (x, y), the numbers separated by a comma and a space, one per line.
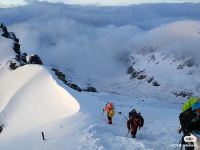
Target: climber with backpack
(109, 109)
(134, 122)
(189, 116)
(190, 120)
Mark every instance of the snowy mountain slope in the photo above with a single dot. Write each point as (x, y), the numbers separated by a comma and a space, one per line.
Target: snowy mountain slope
(30, 98)
(6, 49)
(97, 52)
(87, 130)
(162, 59)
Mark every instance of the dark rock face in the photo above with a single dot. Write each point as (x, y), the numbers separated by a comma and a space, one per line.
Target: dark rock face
(75, 87)
(130, 70)
(137, 74)
(141, 77)
(150, 79)
(13, 65)
(23, 59)
(187, 63)
(90, 89)
(61, 76)
(183, 93)
(20, 59)
(35, 59)
(16, 48)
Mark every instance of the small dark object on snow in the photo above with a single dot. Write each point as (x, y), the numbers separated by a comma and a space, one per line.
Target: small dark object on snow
(150, 80)
(155, 83)
(13, 65)
(43, 136)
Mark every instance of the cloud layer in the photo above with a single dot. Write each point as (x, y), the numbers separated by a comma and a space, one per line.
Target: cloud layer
(94, 40)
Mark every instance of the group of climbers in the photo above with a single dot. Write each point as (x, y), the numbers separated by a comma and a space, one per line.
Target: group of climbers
(134, 121)
(189, 117)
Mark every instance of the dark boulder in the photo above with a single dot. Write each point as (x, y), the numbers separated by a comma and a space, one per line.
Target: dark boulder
(13, 65)
(155, 83)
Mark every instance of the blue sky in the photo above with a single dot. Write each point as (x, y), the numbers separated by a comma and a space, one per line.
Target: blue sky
(97, 2)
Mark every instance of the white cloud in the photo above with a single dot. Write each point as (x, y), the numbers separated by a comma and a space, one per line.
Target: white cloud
(92, 40)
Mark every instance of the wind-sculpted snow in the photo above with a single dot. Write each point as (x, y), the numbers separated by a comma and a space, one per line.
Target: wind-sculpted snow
(30, 97)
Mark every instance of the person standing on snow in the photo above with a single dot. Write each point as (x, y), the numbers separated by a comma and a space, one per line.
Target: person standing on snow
(109, 108)
(134, 122)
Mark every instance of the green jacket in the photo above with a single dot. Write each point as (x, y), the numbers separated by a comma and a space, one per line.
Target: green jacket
(189, 103)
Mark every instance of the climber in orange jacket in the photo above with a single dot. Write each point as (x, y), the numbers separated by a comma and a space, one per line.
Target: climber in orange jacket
(109, 108)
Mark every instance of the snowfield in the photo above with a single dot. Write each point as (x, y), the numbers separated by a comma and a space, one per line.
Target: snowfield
(35, 103)
(30, 98)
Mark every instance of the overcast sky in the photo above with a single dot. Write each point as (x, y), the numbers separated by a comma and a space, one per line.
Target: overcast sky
(4, 3)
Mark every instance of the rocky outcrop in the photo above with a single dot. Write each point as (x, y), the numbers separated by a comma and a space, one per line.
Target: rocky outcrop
(20, 59)
(183, 93)
(140, 75)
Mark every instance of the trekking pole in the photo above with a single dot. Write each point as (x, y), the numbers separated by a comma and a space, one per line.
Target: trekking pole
(102, 114)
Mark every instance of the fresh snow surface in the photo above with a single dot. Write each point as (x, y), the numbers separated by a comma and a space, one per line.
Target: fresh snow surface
(29, 97)
(36, 103)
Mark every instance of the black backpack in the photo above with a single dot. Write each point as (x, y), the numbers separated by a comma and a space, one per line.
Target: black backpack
(132, 113)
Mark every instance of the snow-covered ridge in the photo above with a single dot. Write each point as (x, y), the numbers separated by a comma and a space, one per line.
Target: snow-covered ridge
(30, 97)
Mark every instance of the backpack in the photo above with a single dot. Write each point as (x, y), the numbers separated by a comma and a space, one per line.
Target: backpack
(111, 113)
(132, 113)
